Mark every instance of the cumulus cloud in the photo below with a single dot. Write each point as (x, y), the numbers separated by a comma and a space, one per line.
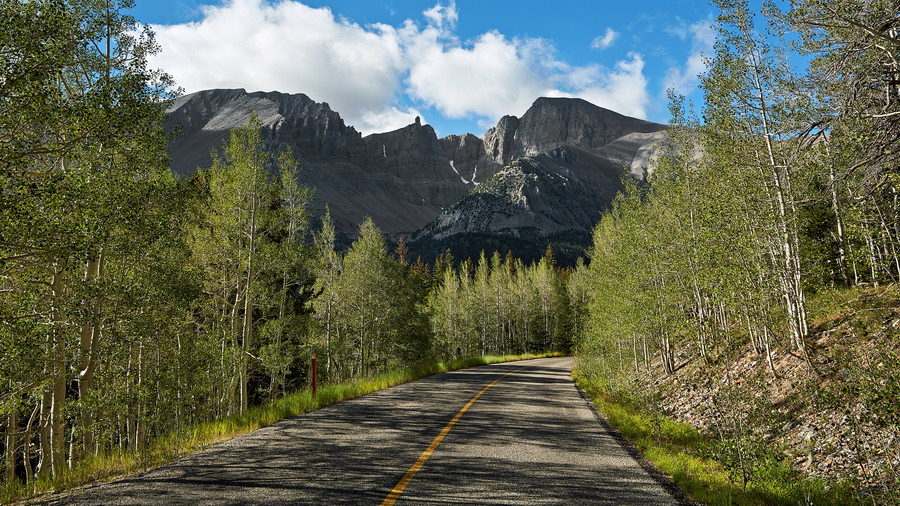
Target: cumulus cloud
(490, 78)
(442, 16)
(702, 34)
(363, 71)
(605, 40)
(623, 89)
(494, 75)
(387, 119)
(287, 47)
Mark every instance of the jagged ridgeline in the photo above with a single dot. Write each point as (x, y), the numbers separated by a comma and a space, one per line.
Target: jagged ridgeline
(541, 179)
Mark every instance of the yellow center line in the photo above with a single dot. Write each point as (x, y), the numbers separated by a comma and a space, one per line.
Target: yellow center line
(401, 485)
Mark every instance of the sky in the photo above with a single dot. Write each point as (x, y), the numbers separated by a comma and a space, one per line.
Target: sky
(458, 64)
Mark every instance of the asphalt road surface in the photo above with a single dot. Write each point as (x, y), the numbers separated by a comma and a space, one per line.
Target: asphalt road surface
(529, 438)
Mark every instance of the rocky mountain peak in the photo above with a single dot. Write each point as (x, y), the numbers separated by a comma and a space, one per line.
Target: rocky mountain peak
(553, 122)
(313, 129)
(411, 153)
(544, 177)
(499, 141)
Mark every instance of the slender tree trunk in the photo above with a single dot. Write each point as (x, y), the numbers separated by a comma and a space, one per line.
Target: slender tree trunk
(247, 332)
(12, 429)
(781, 180)
(646, 353)
(767, 343)
(87, 361)
(58, 388)
(26, 447)
(44, 465)
(839, 222)
(635, 351)
(139, 409)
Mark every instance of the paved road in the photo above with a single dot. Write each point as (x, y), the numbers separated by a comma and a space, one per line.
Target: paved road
(529, 439)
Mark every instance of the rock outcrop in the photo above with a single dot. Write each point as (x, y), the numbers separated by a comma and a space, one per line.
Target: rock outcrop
(465, 152)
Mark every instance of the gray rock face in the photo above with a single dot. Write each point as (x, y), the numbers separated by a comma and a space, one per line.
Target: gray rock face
(555, 197)
(401, 178)
(465, 152)
(412, 153)
(554, 171)
(544, 177)
(316, 133)
(499, 142)
(553, 122)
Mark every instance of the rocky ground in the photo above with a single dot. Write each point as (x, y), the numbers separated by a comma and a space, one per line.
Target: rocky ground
(838, 422)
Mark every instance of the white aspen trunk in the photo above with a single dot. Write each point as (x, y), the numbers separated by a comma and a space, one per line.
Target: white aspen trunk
(755, 341)
(26, 447)
(44, 466)
(701, 323)
(873, 261)
(635, 352)
(58, 398)
(839, 222)
(769, 360)
(646, 353)
(247, 321)
(247, 331)
(124, 415)
(139, 413)
(791, 276)
(328, 350)
(234, 369)
(12, 429)
(621, 356)
(86, 364)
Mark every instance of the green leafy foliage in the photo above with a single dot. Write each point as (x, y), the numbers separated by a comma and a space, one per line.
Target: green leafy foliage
(713, 258)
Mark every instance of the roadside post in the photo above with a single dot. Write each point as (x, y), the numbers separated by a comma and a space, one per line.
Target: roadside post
(313, 374)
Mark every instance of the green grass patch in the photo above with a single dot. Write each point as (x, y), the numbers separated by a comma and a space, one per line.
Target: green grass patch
(689, 458)
(191, 439)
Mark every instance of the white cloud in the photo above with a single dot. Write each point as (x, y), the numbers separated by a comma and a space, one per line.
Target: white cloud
(605, 40)
(490, 78)
(494, 75)
(287, 47)
(443, 16)
(623, 90)
(679, 29)
(684, 79)
(388, 119)
(362, 71)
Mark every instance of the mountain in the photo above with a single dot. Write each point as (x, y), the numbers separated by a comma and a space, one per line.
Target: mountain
(555, 171)
(401, 178)
(543, 178)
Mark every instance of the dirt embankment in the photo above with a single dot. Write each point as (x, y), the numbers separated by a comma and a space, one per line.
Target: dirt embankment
(837, 419)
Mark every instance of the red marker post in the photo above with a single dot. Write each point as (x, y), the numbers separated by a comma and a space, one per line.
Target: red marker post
(313, 374)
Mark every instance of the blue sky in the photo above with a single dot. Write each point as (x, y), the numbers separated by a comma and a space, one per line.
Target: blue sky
(460, 65)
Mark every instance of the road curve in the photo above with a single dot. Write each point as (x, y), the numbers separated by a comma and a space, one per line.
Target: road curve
(529, 438)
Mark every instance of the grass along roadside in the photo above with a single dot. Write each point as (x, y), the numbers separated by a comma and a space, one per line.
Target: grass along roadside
(689, 458)
(191, 439)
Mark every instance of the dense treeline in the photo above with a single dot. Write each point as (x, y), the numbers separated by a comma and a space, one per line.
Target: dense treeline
(86, 207)
(134, 303)
(500, 307)
(788, 187)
